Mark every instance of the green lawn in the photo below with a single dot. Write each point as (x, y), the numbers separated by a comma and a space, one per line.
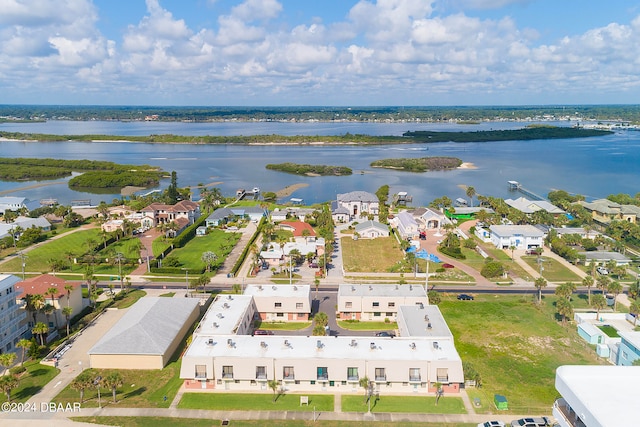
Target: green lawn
(355, 325)
(516, 346)
(609, 330)
(159, 245)
(130, 248)
(553, 271)
(205, 422)
(31, 382)
(38, 258)
(282, 326)
(409, 404)
(141, 389)
(476, 261)
(131, 298)
(255, 402)
(370, 255)
(216, 241)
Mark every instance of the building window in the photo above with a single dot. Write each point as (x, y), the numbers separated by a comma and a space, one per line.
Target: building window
(278, 305)
(376, 314)
(389, 314)
(261, 372)
(625, 355)
(298, 305)
(323, 373)
(352, 374)
(376, 304)
(279, 314)
(201, 371)
(380, 375)
(391, 304)
(348, 304)
(287, 373)
(442, 375)
(227, 372)
(414, 374)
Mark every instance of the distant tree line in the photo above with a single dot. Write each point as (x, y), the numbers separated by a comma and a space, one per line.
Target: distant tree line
(525, 134)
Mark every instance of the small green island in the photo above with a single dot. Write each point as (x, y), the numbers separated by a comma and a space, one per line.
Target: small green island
(310, 170)
(94, 174)
(525, 134)
(421, 164)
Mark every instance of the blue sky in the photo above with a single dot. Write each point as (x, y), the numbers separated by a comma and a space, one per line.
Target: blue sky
(329, 52)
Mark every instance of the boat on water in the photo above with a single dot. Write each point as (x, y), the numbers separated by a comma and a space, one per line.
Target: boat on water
(256, 190)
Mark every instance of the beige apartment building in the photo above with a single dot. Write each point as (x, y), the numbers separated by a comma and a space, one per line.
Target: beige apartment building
(377, 302)
(281, 302)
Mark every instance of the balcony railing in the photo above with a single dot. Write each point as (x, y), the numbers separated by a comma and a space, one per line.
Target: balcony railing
(353, 378)
(443, 379)
(414, 378)
(565, 415)
(227, 376)
(381, 377)
(323, 377)
(290, 377)
(261, 376)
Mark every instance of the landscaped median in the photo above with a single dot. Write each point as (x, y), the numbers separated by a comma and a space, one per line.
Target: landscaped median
(256, 402)
(356, 325)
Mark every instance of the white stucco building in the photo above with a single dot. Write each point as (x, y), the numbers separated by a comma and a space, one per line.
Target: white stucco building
(12, 318)
(518, 236)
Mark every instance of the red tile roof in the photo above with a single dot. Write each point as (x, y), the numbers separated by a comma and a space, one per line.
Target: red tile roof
(299, 227)
(40, 285)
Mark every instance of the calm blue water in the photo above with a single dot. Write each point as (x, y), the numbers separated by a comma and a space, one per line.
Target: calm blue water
(594, 167)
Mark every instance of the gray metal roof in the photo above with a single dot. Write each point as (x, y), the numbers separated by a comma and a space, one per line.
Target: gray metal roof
(148, 327)
(371, 224)
(357, 196)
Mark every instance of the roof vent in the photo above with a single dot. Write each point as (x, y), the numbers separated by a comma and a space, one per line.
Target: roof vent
(273, 287)
(225, 305)
(230, 298)
(429, 325)
(412, 346)
(354, 343)
(230, 343)
(287, 344)
(410, 287)
(215, 324)
(353, 289)
(210, 342)
(421, 305)
(426, 317)
(220, 316)
(372, 346)
(295, 288)
(435, 345)
(259, 287)
(319, 344)
(397, 287)
(263, 344)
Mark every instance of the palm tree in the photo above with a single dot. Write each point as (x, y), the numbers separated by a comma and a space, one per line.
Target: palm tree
(634, 309)
(82, 382)
(603, 283)
(6, 360)
(565, 290)
(69, 289)
(588, 283)
(470, 193)
(565, 309)
(273, 385)
(540, 283)
(598, 302)
(40, 329)
(33, 304)
(113, 381)
(512, 249)
(365, 384)
(67, 311)
(209, 258)
(615, 288)
(23, 344)
(8, 383)
(48, 310)
(52, 292)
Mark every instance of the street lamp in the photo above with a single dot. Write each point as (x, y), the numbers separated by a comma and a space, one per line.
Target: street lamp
(23, 257)
(186, 280)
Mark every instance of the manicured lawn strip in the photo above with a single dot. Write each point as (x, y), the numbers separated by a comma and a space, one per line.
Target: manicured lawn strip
(130, 299)
(130, 248)
(409, 404)
(609, 330)
(37, 376)
(217, 241)
(38, 258)
(553, 271)
(168, 295)
(199, 422)
(159, 245)
(141, 389)
(255, 402)
(375, 255)
(367, 326)
(516, 346)
(283, 326)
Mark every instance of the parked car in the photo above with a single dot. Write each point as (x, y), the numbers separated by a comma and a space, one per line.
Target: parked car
(602, 270)
(534, 251)
(262, 332)
(385, 334)
(313, 265)
(465, 297)
(531, 422)
(492, 424)
(445, 265)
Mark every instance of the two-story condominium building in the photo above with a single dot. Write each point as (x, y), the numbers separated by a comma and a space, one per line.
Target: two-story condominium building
(12, 324)
(222, 354)
(377, 302)
(517, 236)
(281, 302)
(359, 203)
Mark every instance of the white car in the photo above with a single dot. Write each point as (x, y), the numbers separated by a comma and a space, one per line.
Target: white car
(492, 424)
(602, 270)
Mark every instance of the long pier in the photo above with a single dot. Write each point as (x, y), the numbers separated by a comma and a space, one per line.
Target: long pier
(516, 186)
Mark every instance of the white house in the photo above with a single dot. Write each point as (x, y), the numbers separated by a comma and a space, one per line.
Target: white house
(15, 204)
(518, 236)
(24, 223)
(339, 213)
(406, 225)
(359, 203)
(527, 206)
(372, 230)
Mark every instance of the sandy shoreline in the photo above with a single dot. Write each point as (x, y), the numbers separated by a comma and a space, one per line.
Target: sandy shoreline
(467, 165)
(290, 189)
(30, 187)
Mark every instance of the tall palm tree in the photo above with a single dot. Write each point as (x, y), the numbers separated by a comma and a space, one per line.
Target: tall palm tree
(470, 193)
(33, 304)
(565, 309)
(52, 292)
(23, 344)
(365, 384)
(69, 289)
(8, 383)
(540, 283)
(273, 385)
(67, 311)
(81, 383)
(113, 381)
(40, 329)
(616, 289)
(598, 302)
(48, 310)
(588, 283)
(565, 290)
(6, 360)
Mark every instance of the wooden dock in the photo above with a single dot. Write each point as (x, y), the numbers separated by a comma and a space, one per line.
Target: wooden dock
(516, 186)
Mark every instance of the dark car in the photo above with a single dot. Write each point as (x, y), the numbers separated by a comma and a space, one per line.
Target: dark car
(385, 334)
(465, 297)
(262, 332)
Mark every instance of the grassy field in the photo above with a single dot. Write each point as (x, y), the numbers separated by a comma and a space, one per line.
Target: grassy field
(367, 326)
(141, 389)
(130, 248)
(38, 258)
(31, 382)
(375, 255)
(217, 241)
(255, 402)
(515, 345)
(159, 245)
(409, 404)
(476, 261)
(553, 271)
(199, 422)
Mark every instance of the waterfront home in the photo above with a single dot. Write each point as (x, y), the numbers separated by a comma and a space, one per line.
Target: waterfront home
(159, 213)
(517, 236)
(16, 204)
(298, 228)
(466, 212)
(430, 218)
(372, 230)
(359, 203)
(24, 222)
(604, 211)
(406, 225)
(528, 207)
(224, 215)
